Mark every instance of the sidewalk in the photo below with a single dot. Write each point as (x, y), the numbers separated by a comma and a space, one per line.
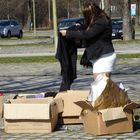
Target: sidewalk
(119, 50)
(40, 77)
(70, 134)
(46, 77)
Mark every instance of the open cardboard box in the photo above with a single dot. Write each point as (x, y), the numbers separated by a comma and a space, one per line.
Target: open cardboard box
(107, 121)
(32, 115)
(71, 112)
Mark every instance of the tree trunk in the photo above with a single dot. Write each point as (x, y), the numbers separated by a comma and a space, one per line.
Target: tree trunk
(137, 13)
(107, 6)
(29, 20)
(127, 32)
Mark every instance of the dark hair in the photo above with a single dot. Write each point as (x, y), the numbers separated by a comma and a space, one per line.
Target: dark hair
(91, 12)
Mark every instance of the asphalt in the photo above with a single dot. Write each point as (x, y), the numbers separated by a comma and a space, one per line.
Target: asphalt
(36, 78)
(43, 77)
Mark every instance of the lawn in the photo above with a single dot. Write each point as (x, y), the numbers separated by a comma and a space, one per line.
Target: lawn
(45, 59)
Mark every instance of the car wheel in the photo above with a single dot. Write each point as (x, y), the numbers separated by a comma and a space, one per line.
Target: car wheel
(20, 34)
(9, 34)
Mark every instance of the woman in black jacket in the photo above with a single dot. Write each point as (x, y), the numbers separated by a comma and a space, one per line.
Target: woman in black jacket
(98, 38)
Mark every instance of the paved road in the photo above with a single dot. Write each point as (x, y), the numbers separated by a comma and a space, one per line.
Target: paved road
(70, 134)
(42, 45)
(46, 77)
(14, 51)
(38, 77)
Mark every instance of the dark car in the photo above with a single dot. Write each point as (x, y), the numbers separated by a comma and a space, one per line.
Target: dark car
(10, 28)
(117, 29)
(69, 23)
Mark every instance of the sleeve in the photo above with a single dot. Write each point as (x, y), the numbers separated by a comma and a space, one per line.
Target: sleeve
(96, 29)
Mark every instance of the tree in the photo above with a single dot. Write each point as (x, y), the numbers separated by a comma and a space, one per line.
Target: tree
(107, 7)
(29, 14)
(137, 12)
(127, 27)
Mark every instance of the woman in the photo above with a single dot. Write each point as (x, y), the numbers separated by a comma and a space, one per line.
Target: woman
(98, 38)
(99, 48)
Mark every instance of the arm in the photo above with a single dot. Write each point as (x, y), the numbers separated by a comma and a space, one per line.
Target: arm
(92, 32)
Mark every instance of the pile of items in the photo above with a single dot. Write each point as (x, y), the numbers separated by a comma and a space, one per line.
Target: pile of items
(111, 112)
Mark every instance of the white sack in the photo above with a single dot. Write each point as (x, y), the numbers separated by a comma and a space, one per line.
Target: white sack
(97, 87)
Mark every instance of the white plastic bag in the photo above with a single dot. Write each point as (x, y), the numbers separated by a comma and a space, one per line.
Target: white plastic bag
(97, 87)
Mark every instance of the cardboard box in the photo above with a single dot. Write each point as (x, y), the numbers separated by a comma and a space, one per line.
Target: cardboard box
(107, 121)
(32, 115)
(1, 105)
(71, 111)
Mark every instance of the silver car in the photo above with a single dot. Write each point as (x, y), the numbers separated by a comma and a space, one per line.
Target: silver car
(10, 28)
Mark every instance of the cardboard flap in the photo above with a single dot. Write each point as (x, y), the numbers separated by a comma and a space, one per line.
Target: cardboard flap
(31, 101)
(27, 111)
(131, 106)
(112, 114)
(85, 105)
(60, 104)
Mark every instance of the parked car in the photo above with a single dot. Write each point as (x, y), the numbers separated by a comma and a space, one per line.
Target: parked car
(10, 28)
(117, 29)
(69, 23)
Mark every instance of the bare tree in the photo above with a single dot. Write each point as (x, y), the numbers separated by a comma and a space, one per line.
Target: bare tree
(29, 9)
(3, 9)
(137, 12)
(61, 6)
(127, 28)
(107, 7)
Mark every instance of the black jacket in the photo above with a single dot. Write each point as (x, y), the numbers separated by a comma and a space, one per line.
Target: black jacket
(98, 38)
(67, 56)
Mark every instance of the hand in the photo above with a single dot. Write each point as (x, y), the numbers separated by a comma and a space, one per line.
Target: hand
(78, 24)
(63, 32)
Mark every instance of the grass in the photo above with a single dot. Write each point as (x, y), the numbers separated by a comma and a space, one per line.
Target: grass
(136, 41)
(49, 59)
(30, 45)
(30, 37)
(128, 56)
(32, 59)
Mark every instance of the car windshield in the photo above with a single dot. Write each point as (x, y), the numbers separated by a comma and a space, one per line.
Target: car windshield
(66, 24)
(117, 23)
(4, 23)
